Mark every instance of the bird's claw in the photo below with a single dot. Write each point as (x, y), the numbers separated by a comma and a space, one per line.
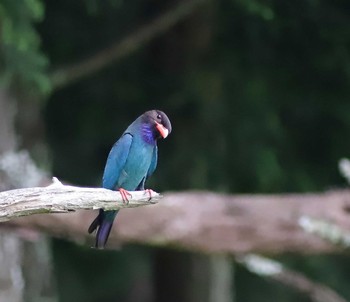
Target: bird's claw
(125, 195)
(149, 192)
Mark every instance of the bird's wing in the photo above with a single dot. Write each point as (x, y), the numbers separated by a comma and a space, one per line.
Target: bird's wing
(116, 161)
(153, 164)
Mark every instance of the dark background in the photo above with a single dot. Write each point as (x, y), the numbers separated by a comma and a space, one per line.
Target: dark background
(258, 95)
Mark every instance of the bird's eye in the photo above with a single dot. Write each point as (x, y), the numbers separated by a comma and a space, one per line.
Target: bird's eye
(159, 117)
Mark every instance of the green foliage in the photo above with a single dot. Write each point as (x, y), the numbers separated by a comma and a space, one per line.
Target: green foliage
(95, 7)
(21, 58)
(258, 7)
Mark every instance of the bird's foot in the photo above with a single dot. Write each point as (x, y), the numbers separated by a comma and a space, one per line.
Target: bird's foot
(149, 192)
(125, 195)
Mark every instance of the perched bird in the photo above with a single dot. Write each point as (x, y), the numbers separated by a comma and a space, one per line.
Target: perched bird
(132, 159)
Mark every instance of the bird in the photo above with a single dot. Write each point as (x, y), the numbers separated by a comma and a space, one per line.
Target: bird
(132, 159)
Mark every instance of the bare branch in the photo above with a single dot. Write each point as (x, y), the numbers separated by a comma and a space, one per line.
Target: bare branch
(58, 198)
(276, 271)
(326, 230)
(131, 43)
(344, 168)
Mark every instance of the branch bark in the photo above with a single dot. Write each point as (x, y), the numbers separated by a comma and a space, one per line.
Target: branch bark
(70, 74)
(58, 198)
(213, 223)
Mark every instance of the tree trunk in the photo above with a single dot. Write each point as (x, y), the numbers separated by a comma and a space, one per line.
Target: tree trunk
(25, 273)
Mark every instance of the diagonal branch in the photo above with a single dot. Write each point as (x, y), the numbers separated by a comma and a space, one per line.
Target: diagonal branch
(131, 43)
(276, 271)
(58, 198)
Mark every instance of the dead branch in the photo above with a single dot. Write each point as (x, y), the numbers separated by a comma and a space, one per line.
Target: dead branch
(326, 230)
(213, 223)
(70, 74)
(276, 271)
(58, 198)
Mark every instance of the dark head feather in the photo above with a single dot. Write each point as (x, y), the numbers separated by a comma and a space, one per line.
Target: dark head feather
(154, 117)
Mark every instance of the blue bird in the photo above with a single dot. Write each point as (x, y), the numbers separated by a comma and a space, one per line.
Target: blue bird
(132, 159)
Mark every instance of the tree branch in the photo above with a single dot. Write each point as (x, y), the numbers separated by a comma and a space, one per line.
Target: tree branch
(276, 271)
(326, 230)
(58, 198)
(212, 223)
(131, 43)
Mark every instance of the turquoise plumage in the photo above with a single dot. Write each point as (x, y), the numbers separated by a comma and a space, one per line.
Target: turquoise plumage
(132, 159)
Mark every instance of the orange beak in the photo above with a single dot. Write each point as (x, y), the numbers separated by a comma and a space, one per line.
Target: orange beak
(162, 130)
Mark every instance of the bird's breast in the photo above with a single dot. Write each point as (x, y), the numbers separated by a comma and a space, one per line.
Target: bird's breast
(136, 166)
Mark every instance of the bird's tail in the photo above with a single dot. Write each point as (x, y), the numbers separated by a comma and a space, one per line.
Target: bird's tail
(103, 223)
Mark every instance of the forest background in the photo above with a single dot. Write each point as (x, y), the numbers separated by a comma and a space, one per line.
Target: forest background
(258, 95)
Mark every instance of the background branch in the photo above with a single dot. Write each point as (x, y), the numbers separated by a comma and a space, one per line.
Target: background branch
(131, 43)
(276, 271)
(58, 198)
(326, 230)
(209, 222)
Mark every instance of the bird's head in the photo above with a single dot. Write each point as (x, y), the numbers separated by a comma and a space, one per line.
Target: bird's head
(159, 122)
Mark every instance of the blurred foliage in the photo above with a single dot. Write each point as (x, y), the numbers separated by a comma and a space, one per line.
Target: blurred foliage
(20, 56)
(257, 92)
